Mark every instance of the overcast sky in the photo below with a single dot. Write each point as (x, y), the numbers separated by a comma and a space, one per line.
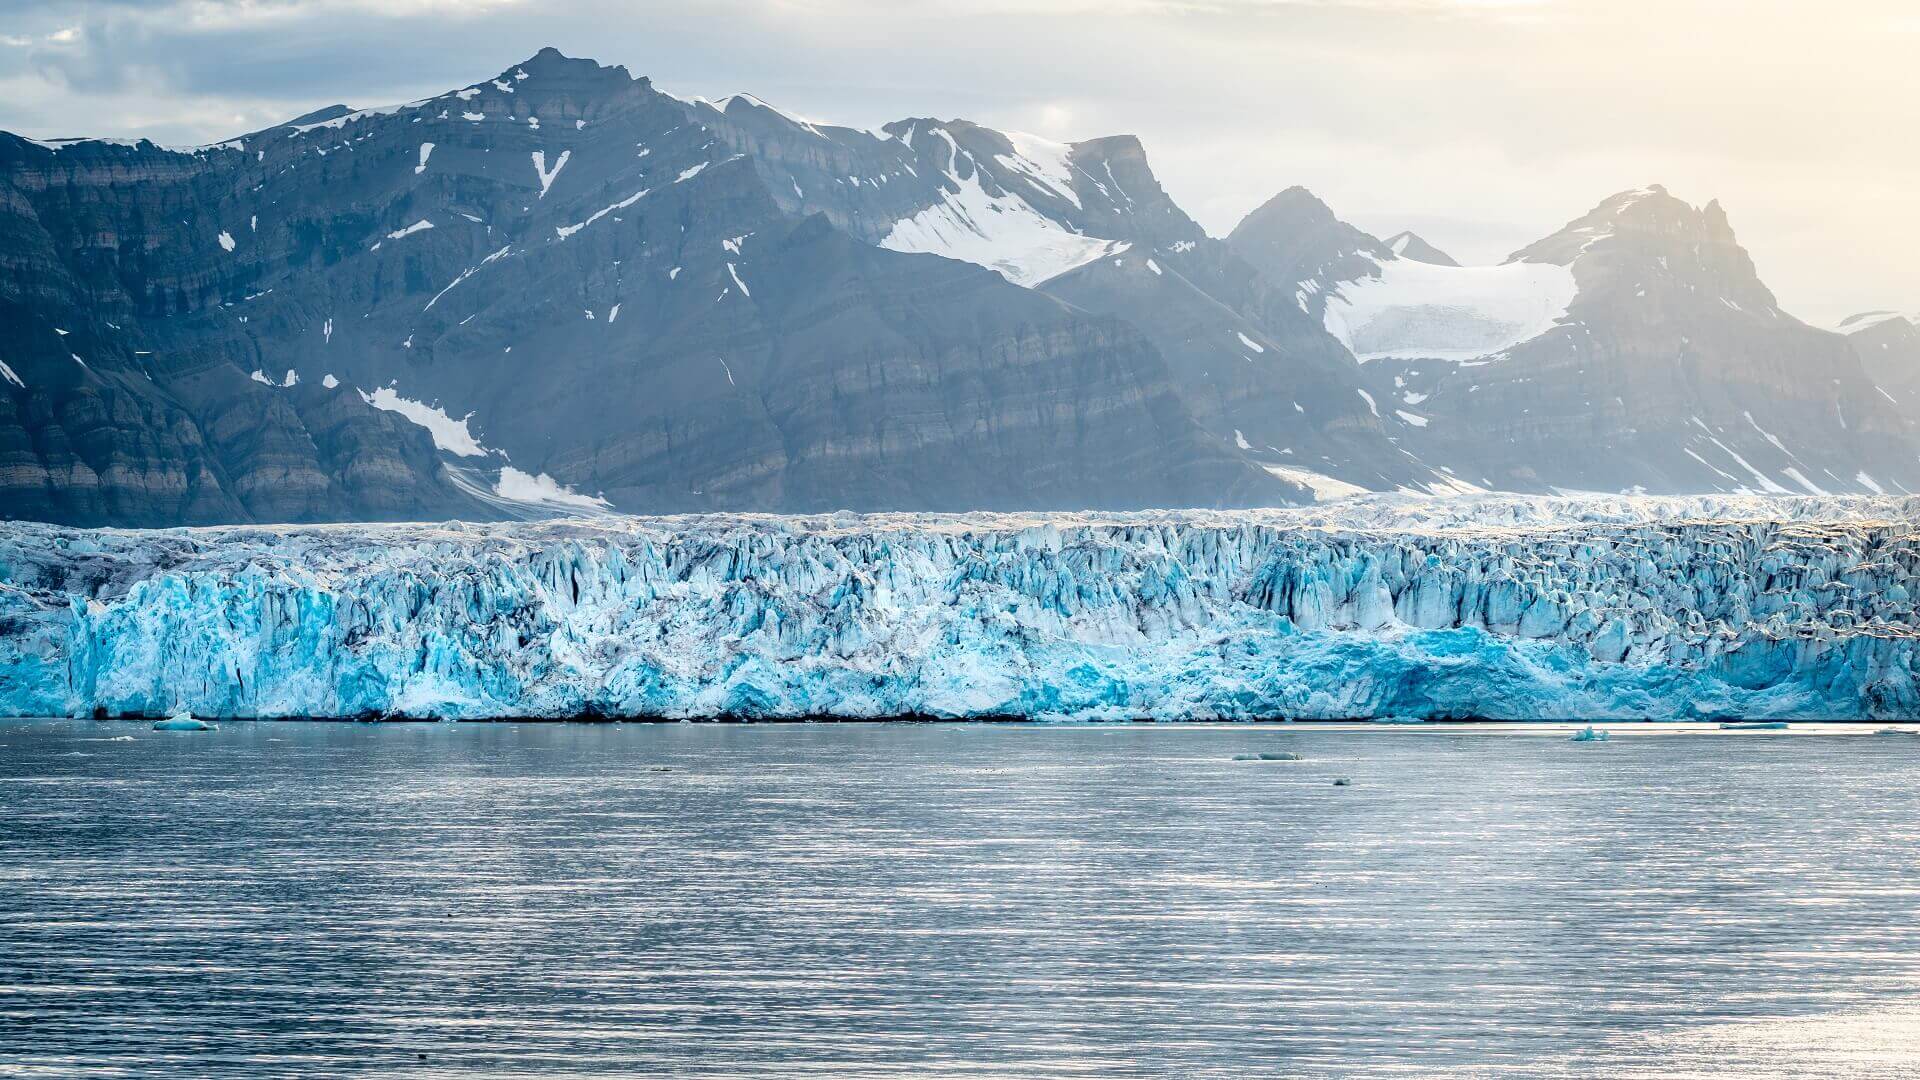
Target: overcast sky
(1481, 124)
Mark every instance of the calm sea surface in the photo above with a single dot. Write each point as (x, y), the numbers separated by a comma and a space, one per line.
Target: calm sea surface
(954, 901)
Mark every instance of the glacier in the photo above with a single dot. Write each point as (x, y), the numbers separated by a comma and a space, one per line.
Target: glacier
(1496, 607)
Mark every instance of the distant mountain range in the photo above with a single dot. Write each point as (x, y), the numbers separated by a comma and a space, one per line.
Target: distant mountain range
(563, 290)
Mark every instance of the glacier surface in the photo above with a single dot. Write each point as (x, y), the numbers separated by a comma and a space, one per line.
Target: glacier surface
(1497, 607)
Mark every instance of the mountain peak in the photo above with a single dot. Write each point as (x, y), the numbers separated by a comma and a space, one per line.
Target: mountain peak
(320, 116)
(1295, 206)
(552, 68)
(1409, 245)
(1869, 320)
(1658, 219)
(1295, 236)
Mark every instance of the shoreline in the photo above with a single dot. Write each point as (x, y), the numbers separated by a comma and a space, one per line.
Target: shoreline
(1408, 726)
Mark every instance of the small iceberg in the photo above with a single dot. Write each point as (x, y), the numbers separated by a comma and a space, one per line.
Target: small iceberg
(183, 721)
(1342, 781)
(1909, 732)
(1588, 734)
(1268, 755)
(1754, 725)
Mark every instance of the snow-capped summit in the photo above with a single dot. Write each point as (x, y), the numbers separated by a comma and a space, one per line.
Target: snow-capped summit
(1635, 348)
(560, 287)
(1295, 238)
(1381, 302)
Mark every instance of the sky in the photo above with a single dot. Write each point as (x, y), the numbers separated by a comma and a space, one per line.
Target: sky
(1480, 124)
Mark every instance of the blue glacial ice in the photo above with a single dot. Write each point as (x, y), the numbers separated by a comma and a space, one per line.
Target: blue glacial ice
(1498, 607)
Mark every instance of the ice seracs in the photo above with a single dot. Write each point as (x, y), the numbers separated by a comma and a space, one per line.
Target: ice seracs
(1589, 609)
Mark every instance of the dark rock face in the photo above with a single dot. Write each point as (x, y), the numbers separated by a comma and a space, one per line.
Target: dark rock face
(562, 288)
(654, 302)
(1295, 239)
(1253, 369)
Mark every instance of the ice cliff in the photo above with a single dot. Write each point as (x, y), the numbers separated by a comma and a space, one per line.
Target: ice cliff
(1493, 607)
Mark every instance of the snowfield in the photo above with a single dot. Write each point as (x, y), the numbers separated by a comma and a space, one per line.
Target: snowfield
(1419, 311)
(1491, 606)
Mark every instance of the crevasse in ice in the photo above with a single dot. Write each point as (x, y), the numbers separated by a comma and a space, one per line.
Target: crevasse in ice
(1493, 607)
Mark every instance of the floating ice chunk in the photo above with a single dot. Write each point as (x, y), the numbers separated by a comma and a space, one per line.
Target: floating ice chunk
(1268, 755)
(183, 721)
(1589, 734)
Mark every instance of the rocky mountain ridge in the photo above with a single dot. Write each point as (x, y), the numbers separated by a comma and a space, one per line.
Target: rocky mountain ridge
(564, 290)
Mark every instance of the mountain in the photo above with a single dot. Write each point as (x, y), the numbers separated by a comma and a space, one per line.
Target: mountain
(1409, 245)
(563, 288)
(1634, 349)
(1888, 345)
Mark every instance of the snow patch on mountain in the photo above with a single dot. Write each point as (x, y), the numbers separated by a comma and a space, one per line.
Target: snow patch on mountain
(1002, 232)
(419, 226)
(542, 490)
(1867, 320)
(1424, 311)
(1042, 161)
(540, 168)
(1325, 488)
(448, 434)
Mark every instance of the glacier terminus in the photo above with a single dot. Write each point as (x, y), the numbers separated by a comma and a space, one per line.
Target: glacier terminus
(1596, 607)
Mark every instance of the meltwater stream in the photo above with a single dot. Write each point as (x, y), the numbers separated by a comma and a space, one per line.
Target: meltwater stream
(954, 900)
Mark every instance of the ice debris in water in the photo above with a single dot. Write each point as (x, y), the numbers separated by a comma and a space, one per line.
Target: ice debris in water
(182, 722)
(1268, 755)
(1588, 734)
(1551, 609)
